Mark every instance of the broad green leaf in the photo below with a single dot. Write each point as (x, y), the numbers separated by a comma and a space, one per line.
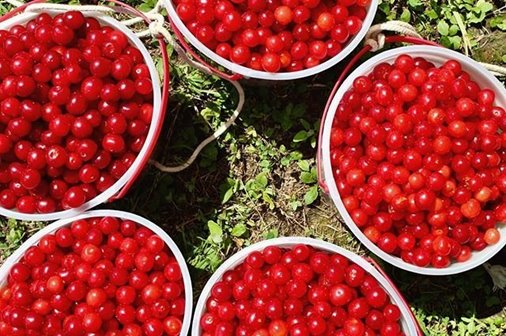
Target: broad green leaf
(446, 42)
(305, 124)
(498, 22)
(238, 230)
(303, 165)
(300, 136)
(311, 195)
(268, 199)
(295, 205)
(261, 180)
(293, 156)
(504, 58)
(285, 161)
(471, 327)
(385, 8)
(264, 163)
(453, 42)
(405, 15)
(296, 155)
(431, 13)
(456, 41)
(313, 142)
(215, 232)
(479, 11)
(228, 195)
(144, 7)
(462, 328)
(271, 234)
(484, 6)
(443, 28)
(307, 178)
(454, 29)
(414, 3)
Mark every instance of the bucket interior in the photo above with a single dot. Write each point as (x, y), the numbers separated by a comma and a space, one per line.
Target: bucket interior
(104, 20)
(438, 56)
(409, 326)
(52, 228)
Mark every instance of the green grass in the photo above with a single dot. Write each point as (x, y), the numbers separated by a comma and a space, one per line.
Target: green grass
(259, 180)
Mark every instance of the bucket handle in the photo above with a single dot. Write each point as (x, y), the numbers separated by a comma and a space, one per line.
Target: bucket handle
(342, 76)
(189, 50)
(122, 8)
(375, 264)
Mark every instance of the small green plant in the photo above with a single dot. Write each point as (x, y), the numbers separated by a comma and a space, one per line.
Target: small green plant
(453, 25)
(498, 22)
(309, 133)
(458, 24)
(287, 117)
(13, 233)
(309, 176)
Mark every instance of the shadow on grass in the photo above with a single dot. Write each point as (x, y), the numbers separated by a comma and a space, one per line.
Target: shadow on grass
(179, 203)
(469, 294)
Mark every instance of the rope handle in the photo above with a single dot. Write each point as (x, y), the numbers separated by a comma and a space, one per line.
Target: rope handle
(220, 130)
(157, 27)
(375, 264)
(189, 50)
(151, 20)
(371, 44)
(376, 39)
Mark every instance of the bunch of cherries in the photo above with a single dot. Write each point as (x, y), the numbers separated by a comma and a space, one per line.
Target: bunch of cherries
(274, 35)
(299, 292)
(419, 158)
(75, 108)
(99, 276)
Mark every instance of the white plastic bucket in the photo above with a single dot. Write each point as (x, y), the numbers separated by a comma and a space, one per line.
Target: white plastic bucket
(409, 325)
(188, 291)
(250, 73)
(151, 138)
(438, 56)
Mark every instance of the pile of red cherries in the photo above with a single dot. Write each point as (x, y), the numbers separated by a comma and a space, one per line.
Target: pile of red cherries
(274, 35)
(419, 159)
(299, 292)
(99, 276)
(75, 108)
